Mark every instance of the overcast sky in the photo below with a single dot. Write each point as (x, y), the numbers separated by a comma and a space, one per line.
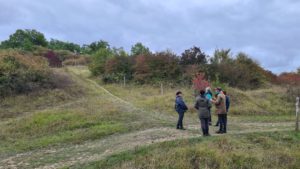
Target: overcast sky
(267, 30)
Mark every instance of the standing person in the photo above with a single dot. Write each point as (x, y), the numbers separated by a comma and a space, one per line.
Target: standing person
(181, 108)
(227, 101)
(208, 95)
(220, 103)
(203, 105)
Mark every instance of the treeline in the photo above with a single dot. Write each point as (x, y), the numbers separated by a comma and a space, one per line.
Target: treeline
(143, 66)
(140, 65)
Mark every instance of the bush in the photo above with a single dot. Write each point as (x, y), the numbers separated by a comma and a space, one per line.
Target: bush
(162, 66)
(21, 72)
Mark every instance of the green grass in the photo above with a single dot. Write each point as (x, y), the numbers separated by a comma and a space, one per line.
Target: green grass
(92, 115)
(265, 105)
(83, 112)
(256, 150)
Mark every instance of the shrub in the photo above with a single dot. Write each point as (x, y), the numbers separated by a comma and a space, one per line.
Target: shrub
(53, 59)
(20, 72)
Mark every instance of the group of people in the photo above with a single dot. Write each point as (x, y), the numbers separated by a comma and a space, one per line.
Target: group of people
(203, 104)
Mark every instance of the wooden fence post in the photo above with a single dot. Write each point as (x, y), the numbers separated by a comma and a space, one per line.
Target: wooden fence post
(297, 113)
(161, 89)
(124, 81)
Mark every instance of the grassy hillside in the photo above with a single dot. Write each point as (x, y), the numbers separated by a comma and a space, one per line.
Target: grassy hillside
(257, 150)
(78, 112)
(255, 105)
(87, 124)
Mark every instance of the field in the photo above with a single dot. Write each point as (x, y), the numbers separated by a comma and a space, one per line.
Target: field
(88, 124)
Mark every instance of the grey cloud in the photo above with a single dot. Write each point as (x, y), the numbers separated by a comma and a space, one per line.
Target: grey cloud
(266, 30)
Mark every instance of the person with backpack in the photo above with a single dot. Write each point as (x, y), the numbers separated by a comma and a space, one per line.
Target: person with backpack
(220, 103)
(208, 95)
(227, 106)
(227, 101)
(203, 105)
(181, 108)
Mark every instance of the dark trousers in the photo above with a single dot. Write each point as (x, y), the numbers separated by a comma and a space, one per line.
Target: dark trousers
(204, 125)
(209, 119)
(180, 118)
(222, 119)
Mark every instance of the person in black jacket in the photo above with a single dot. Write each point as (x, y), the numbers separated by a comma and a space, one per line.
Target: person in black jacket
(181, 108)
(203, 105)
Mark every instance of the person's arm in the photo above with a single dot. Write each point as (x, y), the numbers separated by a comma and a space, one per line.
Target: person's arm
(218, 101)
(182, 104)
(196, 105)
(209, 104)
(227, 103)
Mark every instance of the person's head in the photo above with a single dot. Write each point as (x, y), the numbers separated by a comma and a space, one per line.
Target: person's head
(202, 92)
(225, 93)
(207, 89)
(218, 90)
(178, 93)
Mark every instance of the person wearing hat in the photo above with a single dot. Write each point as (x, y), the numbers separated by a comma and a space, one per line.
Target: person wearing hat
(181, 108)
(220, 103)
(203, 105)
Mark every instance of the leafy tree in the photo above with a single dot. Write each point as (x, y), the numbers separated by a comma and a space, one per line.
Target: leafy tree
(25, 39)
(221, 56)
(298, 71)
(161, 66)
(98, 61)
(200, 82)
(95, 46)
(61, 45)
(139, 49)
(192, 56)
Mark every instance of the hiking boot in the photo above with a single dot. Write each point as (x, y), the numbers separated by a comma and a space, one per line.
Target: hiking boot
(219, 132)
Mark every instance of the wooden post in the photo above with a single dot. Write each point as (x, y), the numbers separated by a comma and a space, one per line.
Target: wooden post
(161, 89)
(124, 82)
(297, 113)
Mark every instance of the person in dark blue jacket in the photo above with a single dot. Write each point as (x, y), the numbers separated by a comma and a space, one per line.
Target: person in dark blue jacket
(181, 108)
(227, 101)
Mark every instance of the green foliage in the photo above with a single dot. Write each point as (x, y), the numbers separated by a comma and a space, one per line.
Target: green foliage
(94, 47)
(60, 45)
(98, 60)
(139, 49)
(241, 72)
(25, 40)
(192, 56)
(162, 66)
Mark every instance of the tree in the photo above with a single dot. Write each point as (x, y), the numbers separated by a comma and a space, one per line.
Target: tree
(95, 46)
(192, 56)
(298, 71)
(61, 45)
(98, 61)
(221, 56)
(25, 39)
(139, 49)
(199, 82)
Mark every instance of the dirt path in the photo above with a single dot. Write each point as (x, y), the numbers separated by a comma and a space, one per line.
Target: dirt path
(63, 156)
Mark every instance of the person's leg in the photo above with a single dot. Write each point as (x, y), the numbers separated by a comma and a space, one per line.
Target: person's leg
(207, 126)
(202, 121)
(220, 121)
(209, 119)
(182, 116)
(225, 123)
(179, 121)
